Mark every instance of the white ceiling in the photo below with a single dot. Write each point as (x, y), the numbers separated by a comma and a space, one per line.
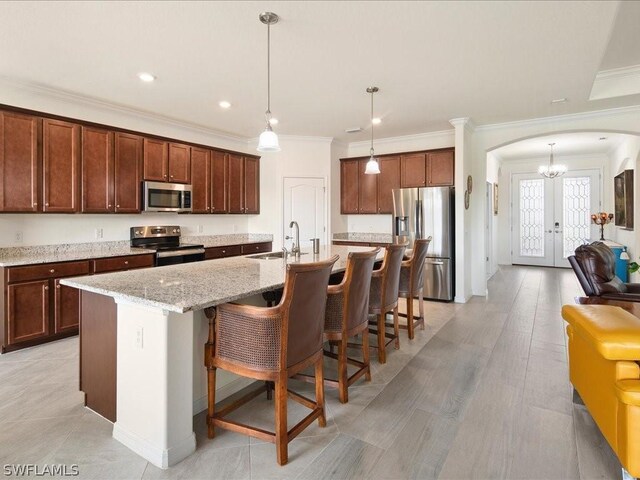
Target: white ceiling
(433, 61)
(566, 144)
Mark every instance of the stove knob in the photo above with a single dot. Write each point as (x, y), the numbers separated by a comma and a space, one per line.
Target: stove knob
(139, 232)
(175, 231)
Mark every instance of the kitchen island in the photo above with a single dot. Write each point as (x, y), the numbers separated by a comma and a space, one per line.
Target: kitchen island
(159, 329)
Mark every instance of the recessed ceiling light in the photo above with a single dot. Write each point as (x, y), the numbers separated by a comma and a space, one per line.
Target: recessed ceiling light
(273, 121)
(376, 121)
(224, 104)
(602, 138)
(559, 100)
(146, 77)
(353, 130)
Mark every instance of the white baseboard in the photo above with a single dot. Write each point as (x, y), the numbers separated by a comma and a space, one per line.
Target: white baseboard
(160, 457)
(235, 385)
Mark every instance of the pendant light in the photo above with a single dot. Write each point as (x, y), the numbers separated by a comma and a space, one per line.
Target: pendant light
(372, 165)
(268, 139)
(551, 170)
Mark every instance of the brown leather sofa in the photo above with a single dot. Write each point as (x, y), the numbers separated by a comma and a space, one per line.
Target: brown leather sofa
(594, 265)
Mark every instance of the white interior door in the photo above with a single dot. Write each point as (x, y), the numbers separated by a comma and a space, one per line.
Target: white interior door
(551, 217)
(305, 202)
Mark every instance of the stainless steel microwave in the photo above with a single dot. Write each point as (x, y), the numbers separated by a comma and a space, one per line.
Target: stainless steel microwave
(166, 197)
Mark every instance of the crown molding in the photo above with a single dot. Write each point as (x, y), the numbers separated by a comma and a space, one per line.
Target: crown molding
(466, 122)
(561, 118)
(84, 100)
(404, 138)
(616, 82)
(252, 142)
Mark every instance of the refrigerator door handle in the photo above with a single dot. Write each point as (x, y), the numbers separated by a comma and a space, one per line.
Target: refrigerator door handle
(435, 263)
(419, 220)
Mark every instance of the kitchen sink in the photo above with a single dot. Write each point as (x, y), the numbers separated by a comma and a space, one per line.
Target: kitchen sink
(271, 255)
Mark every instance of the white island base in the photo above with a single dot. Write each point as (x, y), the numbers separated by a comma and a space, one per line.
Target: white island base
(161, 381)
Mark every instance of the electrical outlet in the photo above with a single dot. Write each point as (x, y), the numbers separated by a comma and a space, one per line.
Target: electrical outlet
(99, 233)
(200, 228)
(139, 338)
(18, 238)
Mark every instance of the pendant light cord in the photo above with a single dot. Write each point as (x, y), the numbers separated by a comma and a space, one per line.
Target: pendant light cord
(268, 71)
(371, 150)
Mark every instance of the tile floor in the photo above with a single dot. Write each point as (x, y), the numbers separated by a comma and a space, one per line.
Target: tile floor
(482, 393)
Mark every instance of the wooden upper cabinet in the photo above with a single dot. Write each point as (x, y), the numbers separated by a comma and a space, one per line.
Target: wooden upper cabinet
(219, 182)
(61, 166)
(388, 180)
(440, 166)
(367, 189)
(413, 170)
(19, 163)
(236, 184)
(201, 180)
(128, 173)
(251, 185)
(179, 163)
(349, 174)
(97, 170)
(156, 160)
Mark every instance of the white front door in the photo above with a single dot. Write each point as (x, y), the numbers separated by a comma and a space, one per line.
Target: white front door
(305, 202)
(551, 217)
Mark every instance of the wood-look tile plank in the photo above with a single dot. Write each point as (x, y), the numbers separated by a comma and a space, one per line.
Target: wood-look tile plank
(596, 459)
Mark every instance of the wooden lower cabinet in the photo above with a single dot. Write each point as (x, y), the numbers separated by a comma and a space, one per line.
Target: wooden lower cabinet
(66, 308)
(27, 311)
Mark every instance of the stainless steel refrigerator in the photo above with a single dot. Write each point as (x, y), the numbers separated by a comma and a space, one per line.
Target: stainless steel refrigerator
(424, 212)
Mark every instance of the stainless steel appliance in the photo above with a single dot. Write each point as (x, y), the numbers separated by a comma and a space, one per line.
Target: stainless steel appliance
(166, 197)
(165, 240)
(424, 212)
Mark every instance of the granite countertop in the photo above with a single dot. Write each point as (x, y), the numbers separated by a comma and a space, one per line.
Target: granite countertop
(195, 286)
(16, 256)
(361, 237)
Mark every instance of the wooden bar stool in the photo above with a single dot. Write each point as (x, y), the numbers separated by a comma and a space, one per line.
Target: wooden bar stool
(412, 284)
(383, 298)
(272, 344)
(347, 316)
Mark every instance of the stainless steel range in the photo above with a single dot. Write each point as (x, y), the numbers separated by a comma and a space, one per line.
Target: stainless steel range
(165, 240)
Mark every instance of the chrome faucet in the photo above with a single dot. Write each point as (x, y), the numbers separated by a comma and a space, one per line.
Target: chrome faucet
(295, 248)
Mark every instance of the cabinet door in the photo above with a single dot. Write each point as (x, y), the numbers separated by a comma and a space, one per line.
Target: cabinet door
(367, 189)
(440, 168)
(413, 169)
(179, 163)
(156, 160)
(67, 308)
(28, 311)
(251, 185)
(201, 180)
(349, 173)
(19, 162)
(388, 180)
(128, 173)
(97, 170)
(219, 182)
(236, 184)
(61, 165)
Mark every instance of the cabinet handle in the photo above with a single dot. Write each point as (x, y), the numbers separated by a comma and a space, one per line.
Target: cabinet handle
(46, 287)
(126, 262)
(58, 286)
(35, 204)
(52, 270)
(213, 208)
(224, 251)
(109, 205)
(46, 204)
(117, 206)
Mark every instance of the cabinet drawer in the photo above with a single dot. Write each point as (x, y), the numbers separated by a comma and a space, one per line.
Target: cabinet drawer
(115, 264)
(256, 248)
(47, 270)
(221, 252)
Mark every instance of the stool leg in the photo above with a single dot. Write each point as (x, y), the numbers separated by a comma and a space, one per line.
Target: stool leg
(281, 421)
(382, 354)
(410, 317)
(396, 327)
(421, 307)
(365, 354)
(211, 400)
(269, 386)
(322, 419)
(343, 395)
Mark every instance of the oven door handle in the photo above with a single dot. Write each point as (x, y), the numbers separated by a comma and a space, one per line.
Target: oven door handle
(180, 253)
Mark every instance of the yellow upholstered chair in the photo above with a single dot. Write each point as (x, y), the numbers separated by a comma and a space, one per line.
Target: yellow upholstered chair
(604, 351)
